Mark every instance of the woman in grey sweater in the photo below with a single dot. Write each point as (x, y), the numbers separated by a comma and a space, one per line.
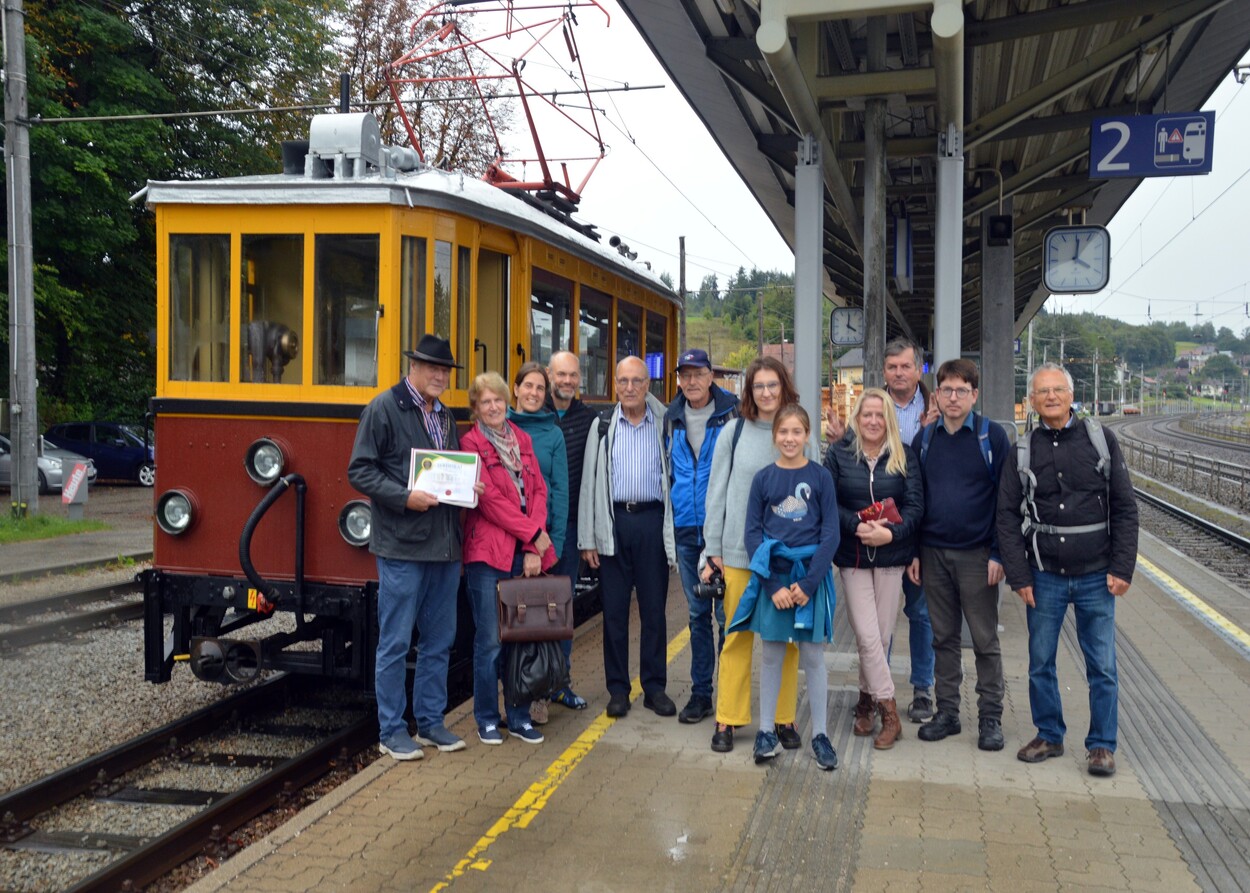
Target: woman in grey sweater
(744, 448)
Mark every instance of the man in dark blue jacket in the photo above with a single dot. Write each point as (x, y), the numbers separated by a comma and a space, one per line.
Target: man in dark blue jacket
(695, 419)
(961, 460)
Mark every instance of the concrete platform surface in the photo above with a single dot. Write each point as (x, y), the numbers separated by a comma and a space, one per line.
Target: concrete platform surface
(642, 804)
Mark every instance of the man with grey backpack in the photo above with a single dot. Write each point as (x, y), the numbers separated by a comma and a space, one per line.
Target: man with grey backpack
(1067, 533)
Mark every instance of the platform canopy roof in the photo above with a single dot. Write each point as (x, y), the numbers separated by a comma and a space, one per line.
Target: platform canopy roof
(1025, 78)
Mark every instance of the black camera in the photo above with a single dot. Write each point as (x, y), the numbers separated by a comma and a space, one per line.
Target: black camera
(713, 588)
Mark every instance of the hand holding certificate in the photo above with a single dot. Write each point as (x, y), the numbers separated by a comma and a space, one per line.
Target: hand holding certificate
(447, 475)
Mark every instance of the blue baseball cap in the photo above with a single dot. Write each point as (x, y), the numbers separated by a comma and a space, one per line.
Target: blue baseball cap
(694, 357)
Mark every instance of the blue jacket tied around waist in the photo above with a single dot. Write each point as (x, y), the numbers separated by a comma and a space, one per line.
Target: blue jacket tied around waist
(812, 622)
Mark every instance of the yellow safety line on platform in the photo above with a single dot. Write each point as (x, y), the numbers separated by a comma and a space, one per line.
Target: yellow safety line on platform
(1209, 613)
(530, 803)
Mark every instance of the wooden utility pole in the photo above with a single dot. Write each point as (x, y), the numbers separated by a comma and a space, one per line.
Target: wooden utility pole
(681, 288)
(759, 298)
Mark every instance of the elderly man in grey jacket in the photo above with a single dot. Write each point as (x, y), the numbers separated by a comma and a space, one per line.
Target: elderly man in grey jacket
(625, 529)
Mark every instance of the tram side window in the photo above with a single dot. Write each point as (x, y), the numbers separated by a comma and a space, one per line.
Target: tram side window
(199, 308)
(595, 342)
(551, 302)
(272, 311)
(657, 329)
(464, 349)
(628, 330)
(412, 294)
(442, 289)
(345, 295)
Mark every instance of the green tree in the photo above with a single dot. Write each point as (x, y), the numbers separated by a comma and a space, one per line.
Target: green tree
(93, 247)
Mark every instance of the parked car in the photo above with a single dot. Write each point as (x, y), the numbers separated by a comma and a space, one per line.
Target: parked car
(119, 451)
(53, 464)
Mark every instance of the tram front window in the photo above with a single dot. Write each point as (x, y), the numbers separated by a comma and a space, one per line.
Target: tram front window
(345, 295)
(657, 331)
(272, 311)
(199, 308)
(550, 326)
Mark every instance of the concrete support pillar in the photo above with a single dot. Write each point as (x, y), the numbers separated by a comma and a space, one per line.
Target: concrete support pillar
(809, 237)
(875, 260)
(998, 317)
(948, 274)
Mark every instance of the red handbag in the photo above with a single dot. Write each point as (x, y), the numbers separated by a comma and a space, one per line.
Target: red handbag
(885, 510)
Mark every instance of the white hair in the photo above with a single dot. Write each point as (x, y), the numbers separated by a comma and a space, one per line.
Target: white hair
(1051, 367)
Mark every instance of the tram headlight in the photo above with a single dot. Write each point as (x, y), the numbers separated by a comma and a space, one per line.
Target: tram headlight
(356, 522)
(175, 511)
(265, 461)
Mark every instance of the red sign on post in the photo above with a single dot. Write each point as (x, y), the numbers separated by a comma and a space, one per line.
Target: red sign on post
(69, 491)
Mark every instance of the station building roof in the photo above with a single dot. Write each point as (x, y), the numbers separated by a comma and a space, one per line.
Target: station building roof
(1034, 74)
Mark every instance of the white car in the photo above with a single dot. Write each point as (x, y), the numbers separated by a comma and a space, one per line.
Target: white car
(54, 465)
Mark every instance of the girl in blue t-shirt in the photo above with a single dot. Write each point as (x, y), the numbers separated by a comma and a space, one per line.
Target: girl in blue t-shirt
(792, 532)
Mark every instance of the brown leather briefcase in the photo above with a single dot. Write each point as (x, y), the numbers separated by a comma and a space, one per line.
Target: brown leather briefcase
(535, 609)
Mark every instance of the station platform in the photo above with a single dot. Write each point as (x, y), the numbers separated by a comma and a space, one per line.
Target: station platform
(641, 803)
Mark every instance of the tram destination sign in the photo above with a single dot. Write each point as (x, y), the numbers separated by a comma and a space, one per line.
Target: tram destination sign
(1152, 145)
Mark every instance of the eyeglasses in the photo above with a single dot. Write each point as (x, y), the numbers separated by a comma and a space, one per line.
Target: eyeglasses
(1047, 392)
(626, 384)
(761, 387)
(961, 393)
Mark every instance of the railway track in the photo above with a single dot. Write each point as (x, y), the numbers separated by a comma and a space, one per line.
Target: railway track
(133, 813)
(1225, 552)
(59, 616)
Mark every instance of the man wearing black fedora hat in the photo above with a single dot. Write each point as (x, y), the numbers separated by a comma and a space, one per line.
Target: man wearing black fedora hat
(416, 541)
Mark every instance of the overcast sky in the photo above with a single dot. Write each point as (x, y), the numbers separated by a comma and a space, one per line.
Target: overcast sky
(1179, 243)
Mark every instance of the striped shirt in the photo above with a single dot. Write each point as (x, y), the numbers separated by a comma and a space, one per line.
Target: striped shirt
(909, 416)
(435, 417)
(637, 464)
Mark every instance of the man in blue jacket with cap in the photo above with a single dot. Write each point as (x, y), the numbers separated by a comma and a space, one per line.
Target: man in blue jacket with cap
(695, 419)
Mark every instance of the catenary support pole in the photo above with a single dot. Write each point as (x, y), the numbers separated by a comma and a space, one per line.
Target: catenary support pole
(809, 236)
(24, 418)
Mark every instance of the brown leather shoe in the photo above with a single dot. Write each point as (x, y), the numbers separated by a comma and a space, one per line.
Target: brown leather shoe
(1101, 762)
(864, 719)
(1039, 749)
(891, 727)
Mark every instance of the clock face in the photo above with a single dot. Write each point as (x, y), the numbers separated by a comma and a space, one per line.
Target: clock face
(1076, 259)
(846, 325)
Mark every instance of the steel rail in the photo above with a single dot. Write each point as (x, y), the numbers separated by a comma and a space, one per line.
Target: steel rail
(171, 849)
(39, 796)
(50, 630)
(65, 601)
(1203, 524)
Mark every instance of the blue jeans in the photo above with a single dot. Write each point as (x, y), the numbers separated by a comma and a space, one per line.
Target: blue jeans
(420, 594)
(705, 644)
(1094, 606)
(480, 579)
(569, 565)
(919, 635)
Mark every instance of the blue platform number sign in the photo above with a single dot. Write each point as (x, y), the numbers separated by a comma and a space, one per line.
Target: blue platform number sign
(1152, 145)
(655, 366)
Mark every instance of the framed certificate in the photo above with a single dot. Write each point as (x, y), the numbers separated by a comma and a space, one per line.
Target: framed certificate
(447, 475)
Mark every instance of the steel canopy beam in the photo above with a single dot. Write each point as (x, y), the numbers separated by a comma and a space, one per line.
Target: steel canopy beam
(1085, 70)
(841, 87)
(1063, 18)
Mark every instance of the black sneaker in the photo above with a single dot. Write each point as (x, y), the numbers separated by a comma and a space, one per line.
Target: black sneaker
(723, 738)
(660, 703)
(696, 709)
(991, 734)
(789, 736)
(941, 726)
(921, 708)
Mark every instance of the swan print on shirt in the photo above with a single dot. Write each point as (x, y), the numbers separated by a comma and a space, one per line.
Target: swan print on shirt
(794, 508)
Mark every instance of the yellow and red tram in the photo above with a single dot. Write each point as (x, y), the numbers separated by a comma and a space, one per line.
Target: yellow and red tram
(283, 304)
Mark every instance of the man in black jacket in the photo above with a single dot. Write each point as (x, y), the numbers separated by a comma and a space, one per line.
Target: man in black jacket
(416, 541)
(575, 419)
(1079, 548)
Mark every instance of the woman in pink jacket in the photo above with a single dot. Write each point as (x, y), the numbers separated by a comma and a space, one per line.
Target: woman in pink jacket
(504, 537)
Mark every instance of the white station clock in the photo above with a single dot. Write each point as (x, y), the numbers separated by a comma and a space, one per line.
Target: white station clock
(846, 325)
(1076, 259)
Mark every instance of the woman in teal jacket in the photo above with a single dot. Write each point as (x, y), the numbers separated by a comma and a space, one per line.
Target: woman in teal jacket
(530, 388)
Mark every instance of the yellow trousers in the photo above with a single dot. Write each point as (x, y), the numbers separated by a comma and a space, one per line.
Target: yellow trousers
(733, 689)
